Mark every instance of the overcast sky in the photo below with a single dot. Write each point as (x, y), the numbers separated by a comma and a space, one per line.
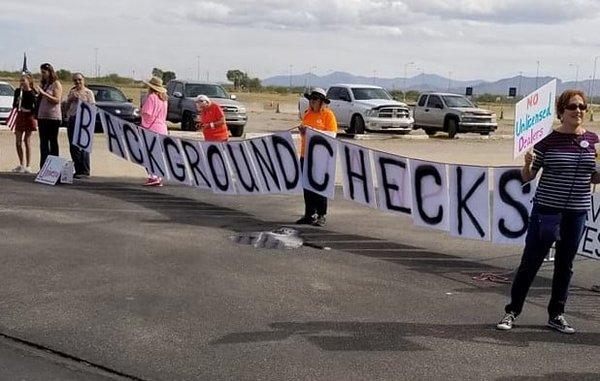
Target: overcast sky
(472, 39)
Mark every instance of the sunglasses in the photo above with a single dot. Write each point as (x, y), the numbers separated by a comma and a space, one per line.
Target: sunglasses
(78, 80)
(575, 106)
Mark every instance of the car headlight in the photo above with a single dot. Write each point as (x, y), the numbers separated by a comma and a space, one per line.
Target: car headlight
(371, 113)
(136, 112)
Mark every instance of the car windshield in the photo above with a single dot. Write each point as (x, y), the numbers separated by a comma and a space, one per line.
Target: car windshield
(6, 90)
(457, 101)
(108, 94)
(212, 91)
(364, 93)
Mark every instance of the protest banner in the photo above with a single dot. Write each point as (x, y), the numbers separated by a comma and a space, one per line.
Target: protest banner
(318, 173)
(589, 246)
(357, 177)
(393, 182)
(85, 122)
(512, 202)
(243, 166)
(430, 202)
(51, 170)
(113, 129)
(175, 160)
(448, 197)
(469, 202)
(534, 116)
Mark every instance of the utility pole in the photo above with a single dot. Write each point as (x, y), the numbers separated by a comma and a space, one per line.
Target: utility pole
(520, 80)
(197, 68)
(537, 75)
(593, 80)
(96, 70)
(406, 75)
(576, 73)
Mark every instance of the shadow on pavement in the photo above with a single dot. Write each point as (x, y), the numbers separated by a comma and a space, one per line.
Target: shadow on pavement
(561, 376)
(394, 336)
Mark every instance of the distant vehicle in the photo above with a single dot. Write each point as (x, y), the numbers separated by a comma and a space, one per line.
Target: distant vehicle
(111, 100)
(361, 108)
(182, 106)
(7, 93)
(452, 113)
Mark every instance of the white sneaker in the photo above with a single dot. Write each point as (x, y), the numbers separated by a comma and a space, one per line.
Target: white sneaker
(26, 170)
(18, 169)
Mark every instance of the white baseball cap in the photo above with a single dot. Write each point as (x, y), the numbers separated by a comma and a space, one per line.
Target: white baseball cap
(202, 98)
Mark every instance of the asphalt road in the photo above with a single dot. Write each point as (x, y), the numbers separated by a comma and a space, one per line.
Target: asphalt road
(105, 279)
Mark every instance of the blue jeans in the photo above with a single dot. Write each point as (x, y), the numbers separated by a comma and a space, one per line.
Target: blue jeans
(546, 226)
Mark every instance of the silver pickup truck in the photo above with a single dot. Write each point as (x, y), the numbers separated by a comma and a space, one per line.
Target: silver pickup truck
(361, 108)
(452, 113)
(182, 106)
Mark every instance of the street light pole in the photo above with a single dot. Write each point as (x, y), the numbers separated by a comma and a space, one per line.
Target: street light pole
(449, 79)
(576, 73)
(519, 88)
(593, 80)
(96, 62)
(537, 75)
(197, 68)
(406, 75)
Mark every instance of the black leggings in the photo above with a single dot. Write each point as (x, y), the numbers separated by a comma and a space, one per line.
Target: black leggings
(48, 129)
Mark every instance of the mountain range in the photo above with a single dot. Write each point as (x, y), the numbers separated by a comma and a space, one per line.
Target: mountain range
(430, 82)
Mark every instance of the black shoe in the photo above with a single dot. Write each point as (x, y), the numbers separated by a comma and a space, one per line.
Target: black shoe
(306, 220)
(320, 221)
(77, 176)
(507, 322)
(559, 323)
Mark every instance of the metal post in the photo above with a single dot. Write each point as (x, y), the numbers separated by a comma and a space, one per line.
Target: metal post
(593, 80)
(537, 76)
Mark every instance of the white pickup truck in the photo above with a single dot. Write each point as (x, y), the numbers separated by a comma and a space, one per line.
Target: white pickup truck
(360, 108)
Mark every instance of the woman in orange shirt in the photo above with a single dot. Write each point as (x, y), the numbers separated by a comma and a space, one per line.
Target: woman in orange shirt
(321, 118)
(211, 120)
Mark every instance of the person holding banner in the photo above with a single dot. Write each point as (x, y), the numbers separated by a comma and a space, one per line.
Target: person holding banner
(211, 120)
(24, 102)
(154, 116)
(566, 159)
(49, 113)
(80, 157)
(321, 118)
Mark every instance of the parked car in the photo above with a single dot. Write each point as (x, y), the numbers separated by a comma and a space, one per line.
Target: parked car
(7, 93)
(361, 108)
(182, 106)
(452, 113)
(111, 100)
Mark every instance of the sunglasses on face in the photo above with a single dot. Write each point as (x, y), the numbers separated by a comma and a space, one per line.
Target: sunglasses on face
(575, 106)
(78, 80)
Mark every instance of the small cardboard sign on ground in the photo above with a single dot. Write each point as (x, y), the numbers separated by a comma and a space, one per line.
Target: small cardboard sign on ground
(51, 170)
(534, 115)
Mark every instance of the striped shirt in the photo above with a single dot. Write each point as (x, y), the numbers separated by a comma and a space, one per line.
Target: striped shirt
(567, 162)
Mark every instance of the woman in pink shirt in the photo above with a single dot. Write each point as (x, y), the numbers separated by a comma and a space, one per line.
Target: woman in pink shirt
(154, 116)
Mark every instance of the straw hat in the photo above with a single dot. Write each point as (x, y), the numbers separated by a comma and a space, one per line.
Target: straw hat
(156, 84)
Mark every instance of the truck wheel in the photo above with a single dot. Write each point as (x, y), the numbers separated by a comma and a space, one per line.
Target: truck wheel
(429, 131)
(187, 122)
(357, 125)
(236, 131)
(452, 128)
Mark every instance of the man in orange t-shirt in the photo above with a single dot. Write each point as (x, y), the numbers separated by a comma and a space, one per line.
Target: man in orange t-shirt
(211, 120)
(321, 118)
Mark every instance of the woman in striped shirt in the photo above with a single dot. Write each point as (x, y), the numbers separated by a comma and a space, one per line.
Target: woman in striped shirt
(566, 159)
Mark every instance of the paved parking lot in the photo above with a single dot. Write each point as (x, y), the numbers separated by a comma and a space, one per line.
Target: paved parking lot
(146, 284)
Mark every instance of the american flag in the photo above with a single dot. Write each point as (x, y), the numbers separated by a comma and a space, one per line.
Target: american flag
(12, 119)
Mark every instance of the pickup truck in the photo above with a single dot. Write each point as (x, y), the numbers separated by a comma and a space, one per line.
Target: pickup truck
(182, 106)
(452, 113)
(361, 108)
